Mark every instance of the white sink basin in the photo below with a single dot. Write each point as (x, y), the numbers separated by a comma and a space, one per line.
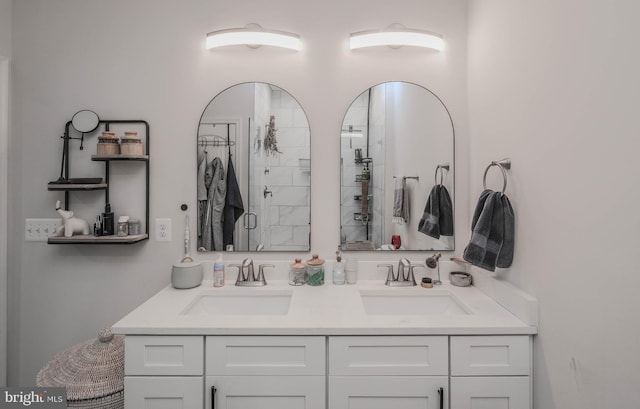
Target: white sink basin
(240, 303)
(381, 302)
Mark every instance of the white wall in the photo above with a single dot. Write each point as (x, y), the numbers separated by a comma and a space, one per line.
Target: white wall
(554, 85)
(145, 59)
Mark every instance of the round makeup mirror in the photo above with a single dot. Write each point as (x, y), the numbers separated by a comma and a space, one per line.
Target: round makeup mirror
(85, 121)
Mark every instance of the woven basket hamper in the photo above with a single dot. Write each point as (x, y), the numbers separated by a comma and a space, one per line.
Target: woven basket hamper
(92, 372)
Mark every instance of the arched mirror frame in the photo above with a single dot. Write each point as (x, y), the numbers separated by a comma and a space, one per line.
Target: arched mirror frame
(351, 194)
(277, 181)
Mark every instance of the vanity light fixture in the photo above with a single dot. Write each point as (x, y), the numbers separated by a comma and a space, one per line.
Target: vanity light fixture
(253, 35)
(396, 36)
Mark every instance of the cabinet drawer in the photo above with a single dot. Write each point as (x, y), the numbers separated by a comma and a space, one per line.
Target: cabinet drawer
(490, 355)
(163, 355)
(494, 392)
(266, 355)
(163, 392)
(396, 392)
(389, 355)
(263, 392)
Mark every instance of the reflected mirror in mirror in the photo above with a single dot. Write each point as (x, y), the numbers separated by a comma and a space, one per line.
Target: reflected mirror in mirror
(253, 171)
(397, 171)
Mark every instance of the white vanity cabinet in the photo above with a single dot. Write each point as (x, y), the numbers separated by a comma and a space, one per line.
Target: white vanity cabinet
(399, 372)
(164, 372)
(491, 372)
(264, 372)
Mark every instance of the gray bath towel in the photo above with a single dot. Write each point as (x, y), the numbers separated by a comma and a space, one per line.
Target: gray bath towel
(437, 218)
(492, 232)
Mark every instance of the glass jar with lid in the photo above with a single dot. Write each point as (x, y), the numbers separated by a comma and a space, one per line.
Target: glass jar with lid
(297, 273)
(315, 271)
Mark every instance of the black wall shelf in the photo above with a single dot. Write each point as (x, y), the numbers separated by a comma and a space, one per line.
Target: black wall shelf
(65, 183)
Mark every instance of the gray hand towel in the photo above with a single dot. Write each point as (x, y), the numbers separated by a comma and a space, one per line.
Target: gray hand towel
(490, 231)
(505, 258)
(486, 235)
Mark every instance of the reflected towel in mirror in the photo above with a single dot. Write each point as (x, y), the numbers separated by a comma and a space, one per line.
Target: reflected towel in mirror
(437, 218)
(400, 201)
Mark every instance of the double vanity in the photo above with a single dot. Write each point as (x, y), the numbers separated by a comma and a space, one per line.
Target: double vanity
(351, 346)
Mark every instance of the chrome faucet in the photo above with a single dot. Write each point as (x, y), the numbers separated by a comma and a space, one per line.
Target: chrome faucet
(405, 276)
(247, 276)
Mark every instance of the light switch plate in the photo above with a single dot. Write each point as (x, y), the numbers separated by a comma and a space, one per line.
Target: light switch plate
(40, 229)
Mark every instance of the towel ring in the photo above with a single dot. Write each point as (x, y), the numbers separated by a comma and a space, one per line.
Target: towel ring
(441, 168)
(503, 164)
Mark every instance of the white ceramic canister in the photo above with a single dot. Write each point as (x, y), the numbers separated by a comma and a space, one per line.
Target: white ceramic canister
(186, 273)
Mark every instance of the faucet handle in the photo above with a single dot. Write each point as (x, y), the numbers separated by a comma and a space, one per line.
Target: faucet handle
(248, 263)
(412, 277)
(261, 277)
(404, 266)
(390, 276)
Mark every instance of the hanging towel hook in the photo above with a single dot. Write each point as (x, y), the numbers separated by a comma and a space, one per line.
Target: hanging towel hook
(504, 165)
(442, 167)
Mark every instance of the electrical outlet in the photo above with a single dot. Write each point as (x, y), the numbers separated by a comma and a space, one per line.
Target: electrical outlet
(40, 229)
(163, 229)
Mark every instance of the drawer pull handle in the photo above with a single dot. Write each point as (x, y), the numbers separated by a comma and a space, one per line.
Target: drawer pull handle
(213, 397)
(441, 394)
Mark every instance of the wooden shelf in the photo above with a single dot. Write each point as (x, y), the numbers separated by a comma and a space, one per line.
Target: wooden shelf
(90, 239)
(76, 186)
(104, 158)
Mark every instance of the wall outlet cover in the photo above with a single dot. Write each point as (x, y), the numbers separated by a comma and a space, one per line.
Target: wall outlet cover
(163, 229)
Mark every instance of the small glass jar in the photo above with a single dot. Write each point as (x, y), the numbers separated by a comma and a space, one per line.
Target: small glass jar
(297, 273)
(134, 227)
(315, 271)
(123, 226)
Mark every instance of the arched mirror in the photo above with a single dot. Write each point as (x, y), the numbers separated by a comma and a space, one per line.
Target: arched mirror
(397, 170)
(253, 171)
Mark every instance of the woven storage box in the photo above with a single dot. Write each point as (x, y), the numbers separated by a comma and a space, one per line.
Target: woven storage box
(131, 144)
(92, 372)
(108, 144)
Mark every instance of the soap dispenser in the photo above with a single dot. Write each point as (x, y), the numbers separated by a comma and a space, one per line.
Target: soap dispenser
(339, 276)
(108, 221)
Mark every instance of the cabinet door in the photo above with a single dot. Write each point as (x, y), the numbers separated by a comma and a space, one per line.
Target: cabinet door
(266, 392)
(491, 392)
(166, 392)
(384, 392)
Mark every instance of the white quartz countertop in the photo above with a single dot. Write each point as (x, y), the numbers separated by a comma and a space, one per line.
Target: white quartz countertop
(323, 310)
